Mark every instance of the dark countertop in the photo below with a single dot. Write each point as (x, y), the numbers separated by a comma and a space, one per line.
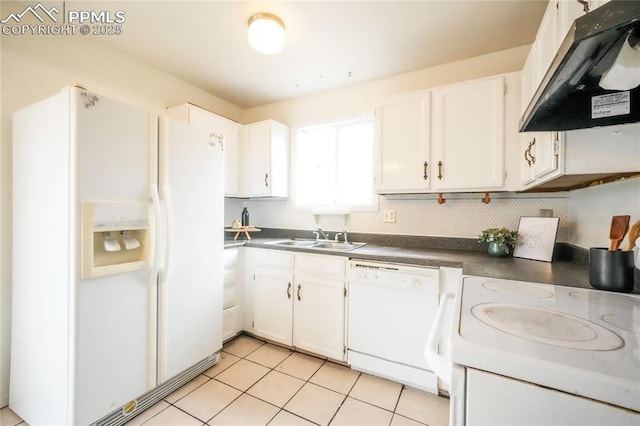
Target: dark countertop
(476, 263)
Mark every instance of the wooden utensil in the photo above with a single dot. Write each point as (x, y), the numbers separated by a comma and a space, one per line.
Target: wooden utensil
(619, 228)
(634, 233)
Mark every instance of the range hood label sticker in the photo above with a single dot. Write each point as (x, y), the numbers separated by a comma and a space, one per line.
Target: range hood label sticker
(611, 105)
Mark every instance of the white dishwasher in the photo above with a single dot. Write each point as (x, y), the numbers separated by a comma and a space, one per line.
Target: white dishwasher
(392, 308)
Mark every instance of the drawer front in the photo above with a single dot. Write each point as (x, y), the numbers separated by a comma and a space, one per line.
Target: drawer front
(321, 265)
(229, 297)
(274, 259)
(230, 257)
(231, 322)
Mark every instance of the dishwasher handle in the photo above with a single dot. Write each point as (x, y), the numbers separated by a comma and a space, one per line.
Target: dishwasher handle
(440, 365)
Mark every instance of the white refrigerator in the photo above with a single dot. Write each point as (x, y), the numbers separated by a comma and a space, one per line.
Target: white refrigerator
(117, 248)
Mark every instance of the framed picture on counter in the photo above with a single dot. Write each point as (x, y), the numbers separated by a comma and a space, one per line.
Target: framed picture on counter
(536, 238)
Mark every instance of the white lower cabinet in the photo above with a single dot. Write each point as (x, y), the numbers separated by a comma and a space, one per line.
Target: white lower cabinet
(273, 310)
(319, 305)
(299, 300)
(231, 294)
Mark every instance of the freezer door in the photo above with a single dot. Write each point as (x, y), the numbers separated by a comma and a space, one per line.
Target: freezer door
(190, 280)
(114, 328)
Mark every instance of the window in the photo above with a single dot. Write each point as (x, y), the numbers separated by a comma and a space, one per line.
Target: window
(334, 167)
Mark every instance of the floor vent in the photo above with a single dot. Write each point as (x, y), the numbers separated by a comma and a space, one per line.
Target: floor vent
(117, 417)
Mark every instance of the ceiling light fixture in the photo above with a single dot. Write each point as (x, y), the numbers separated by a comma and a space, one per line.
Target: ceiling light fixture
(266, 33)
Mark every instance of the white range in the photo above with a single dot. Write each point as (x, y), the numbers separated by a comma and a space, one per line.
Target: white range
(531, 353)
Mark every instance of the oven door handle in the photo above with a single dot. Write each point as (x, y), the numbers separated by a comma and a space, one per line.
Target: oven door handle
(440, 365)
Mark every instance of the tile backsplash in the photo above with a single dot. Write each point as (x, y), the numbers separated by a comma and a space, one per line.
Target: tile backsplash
(462, 215)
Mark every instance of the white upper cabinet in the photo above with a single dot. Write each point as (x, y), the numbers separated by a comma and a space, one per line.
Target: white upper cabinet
(594, 4)
(538, 150)
(546, 45)
(403, 144)
(555, 24)
(266, 159)
(227, 130)
(468, 136)
(567, 12)
(448, 139)
(553, 161)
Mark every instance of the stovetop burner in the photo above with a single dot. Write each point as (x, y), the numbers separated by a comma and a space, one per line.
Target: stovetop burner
(547, 326)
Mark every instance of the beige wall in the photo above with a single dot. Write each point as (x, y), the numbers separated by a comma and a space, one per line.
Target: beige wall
(591, 209)
(34, 68)
(361, 98)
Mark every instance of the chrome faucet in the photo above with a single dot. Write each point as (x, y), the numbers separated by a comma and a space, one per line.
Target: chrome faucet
(344, 234)
(320, 232)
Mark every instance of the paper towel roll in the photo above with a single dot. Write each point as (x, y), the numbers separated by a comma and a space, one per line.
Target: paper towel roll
(624, 74)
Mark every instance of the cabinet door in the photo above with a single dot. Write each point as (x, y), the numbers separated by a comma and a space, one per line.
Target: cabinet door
(257, 159)
(594, 4)
(266, 159)
(526, 164)
(544, 153)
(546, 44)
(273, 310)
(319, 316)
(468, 122)
(568, 11)
(528, 82)
(403, 145)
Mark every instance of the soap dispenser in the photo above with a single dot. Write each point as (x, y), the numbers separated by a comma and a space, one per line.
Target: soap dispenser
(245, 215)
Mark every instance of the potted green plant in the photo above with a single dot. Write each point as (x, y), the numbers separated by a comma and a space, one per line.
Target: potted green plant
(501, 240)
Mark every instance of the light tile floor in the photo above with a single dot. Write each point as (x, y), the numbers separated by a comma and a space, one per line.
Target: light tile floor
(257, 383)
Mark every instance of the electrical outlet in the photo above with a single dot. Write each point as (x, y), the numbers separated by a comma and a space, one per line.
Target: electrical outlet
(390, 216)
(546, 212)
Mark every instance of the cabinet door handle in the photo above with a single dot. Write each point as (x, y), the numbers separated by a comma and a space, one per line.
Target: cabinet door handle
(289, 291)
(266, 180)
(440, 170)
(425, 165)
(299, 288)
(527, 154)
(533, 157)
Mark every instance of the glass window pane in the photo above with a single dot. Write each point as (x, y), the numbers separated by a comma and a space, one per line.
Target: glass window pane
(334, 165)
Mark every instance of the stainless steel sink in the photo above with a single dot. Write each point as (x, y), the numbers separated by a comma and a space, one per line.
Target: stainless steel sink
(335, 245)
(318, 244)
(294, 243)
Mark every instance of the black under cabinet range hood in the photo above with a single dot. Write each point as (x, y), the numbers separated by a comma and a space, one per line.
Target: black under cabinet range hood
(594, 79)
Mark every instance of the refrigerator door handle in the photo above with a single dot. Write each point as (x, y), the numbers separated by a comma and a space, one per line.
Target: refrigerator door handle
(155, 240)
(166, 196)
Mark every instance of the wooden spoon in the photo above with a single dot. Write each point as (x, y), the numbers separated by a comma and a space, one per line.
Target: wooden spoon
(634, 233)
(619, 228)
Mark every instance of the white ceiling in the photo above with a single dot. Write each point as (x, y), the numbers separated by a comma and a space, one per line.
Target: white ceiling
(329, 44)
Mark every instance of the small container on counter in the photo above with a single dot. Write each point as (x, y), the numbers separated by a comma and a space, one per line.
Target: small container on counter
(611, 270)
